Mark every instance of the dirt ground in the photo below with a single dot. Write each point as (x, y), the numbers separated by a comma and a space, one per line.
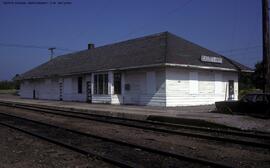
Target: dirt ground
(19, 150)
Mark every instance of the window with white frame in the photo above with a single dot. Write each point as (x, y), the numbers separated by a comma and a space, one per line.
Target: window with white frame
(101, 84)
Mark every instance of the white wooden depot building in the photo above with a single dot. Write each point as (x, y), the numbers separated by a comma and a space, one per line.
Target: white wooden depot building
(158, 70)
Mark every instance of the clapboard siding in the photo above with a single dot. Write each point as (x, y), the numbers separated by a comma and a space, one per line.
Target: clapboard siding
(179, 87)
(70, 89)
(101, 99)
(147, 87)
(44, 89)
(26, 89)
(206, 83)
(49, 89)
(157, 99)
(136, 82)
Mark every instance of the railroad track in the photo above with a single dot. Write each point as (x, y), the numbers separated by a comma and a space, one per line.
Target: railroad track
(221, 135)
(116, 152)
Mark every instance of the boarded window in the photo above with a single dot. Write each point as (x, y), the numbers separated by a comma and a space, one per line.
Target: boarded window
(218, 83)
(193, 83)
(101, 84)
(117, 83)
(79, 84)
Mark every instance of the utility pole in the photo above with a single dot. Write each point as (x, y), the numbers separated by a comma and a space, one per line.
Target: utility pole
(266, 56)
(52, 48)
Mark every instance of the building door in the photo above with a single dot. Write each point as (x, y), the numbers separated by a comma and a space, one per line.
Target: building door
(231, 89)
(34, 94)
(88, 92)
(60, 91)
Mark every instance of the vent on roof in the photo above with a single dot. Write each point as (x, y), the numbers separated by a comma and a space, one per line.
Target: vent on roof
(91, 46)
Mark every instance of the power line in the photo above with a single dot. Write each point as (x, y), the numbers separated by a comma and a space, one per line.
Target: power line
(65, 49)
(240, 49)
(32, 46)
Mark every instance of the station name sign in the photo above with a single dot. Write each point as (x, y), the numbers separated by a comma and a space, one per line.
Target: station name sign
(205, 58)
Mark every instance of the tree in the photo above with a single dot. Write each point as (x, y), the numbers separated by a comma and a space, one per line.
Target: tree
(10, 84)
(6, 85)
(257, 76)
(245, 81)
(251, 82)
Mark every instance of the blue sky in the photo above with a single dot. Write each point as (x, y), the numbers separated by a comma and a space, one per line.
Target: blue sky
(230, 27)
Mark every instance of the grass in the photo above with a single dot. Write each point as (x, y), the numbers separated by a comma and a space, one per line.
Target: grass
(243, 92)
(10, 91)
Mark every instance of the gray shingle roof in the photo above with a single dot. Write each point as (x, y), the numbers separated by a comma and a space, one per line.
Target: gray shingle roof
(156, 49)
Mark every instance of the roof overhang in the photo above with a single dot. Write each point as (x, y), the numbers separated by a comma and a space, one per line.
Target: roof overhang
(139, 67)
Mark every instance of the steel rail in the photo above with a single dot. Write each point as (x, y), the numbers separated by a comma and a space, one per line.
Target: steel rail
(120, 163)
(232, 132)
(81, 151)
(196, 135)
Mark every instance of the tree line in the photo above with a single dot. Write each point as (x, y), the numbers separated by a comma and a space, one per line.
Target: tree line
(252, 80)
(8, 85)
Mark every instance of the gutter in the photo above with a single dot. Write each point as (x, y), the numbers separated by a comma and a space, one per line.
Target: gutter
(199, 67)
(248, 71)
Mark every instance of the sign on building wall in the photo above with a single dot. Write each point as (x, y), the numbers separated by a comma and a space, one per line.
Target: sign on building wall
(205, 58)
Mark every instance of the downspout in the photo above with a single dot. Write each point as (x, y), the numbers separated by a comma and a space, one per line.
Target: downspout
(226, 87)
(165, 61)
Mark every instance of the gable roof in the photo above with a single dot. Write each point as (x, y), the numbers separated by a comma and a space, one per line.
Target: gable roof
(154, 50)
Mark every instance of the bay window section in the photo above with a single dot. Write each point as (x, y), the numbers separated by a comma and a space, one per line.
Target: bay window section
(101, 84)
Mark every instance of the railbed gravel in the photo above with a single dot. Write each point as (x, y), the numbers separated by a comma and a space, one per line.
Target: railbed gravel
(232, 154)
(19, 150)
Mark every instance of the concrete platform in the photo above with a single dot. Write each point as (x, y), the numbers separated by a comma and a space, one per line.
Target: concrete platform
(198, 114)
